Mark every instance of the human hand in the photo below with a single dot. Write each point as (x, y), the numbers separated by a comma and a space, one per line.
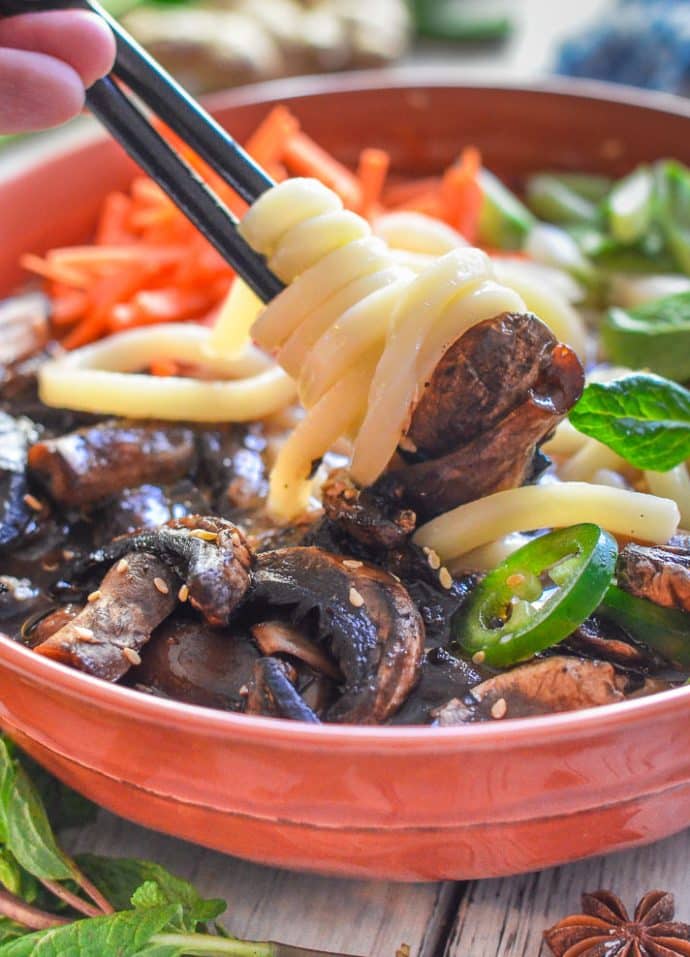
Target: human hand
(47, 60)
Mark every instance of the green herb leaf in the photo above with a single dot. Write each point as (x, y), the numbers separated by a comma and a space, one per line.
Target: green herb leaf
(64, 807)
(118, 879)
(643, 418)
(672, 192)
(120, 935)
(24, 826)
(655, 335)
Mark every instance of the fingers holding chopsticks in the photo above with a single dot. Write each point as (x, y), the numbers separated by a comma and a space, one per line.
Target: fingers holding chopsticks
(47, 60)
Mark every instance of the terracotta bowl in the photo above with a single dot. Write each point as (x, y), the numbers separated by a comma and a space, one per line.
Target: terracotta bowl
(404, 803)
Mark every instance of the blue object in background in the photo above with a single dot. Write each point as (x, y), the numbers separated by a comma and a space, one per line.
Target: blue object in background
(640, 42)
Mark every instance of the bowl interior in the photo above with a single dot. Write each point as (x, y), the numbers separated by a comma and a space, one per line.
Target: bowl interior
(422, 122)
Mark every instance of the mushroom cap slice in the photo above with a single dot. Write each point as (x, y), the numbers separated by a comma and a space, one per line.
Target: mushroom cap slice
(371, 625)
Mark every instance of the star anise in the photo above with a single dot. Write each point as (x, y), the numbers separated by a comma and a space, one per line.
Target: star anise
(604, 929)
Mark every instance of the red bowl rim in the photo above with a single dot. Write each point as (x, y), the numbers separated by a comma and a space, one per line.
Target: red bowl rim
(415, 737)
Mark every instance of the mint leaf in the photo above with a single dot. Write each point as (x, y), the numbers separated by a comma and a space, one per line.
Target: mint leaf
(118, 879)
(148, 895)
(24, 826)
(643, 418)
(655, 336)
(64, 807)
(119, 935)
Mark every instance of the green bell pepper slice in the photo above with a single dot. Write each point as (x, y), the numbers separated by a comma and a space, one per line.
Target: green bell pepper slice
(538, 595)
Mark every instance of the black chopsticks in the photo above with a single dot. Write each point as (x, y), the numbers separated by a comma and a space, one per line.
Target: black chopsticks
(123, 118)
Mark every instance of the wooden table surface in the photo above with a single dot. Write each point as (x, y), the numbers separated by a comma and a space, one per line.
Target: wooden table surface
(493, 918)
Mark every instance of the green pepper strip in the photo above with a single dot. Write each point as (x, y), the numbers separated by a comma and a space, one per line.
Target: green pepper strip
(666, 630)
(538, 596)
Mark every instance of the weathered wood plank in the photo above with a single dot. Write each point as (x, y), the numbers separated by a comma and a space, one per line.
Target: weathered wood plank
(353, 917)
(507, 917)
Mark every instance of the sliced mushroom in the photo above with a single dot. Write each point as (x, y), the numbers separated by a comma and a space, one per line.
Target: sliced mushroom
(189, 661)
(550, 685)
(443, 677)
(42, 626)
(98, 461)
(377, 521)
(277, 638)
(272, 692)
(210, 555)
(105, 638)
(16, 512)
(367, 618)
(498, 392)
(604, 640)
(659, 573)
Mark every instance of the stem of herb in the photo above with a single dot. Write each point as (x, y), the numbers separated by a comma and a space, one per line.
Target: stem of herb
(72, 899)
(93, 892)
(17, 909)
(197, 945)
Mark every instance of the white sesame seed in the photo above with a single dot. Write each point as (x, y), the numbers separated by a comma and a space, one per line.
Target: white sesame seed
(132, 656)
(352, 563)
(160, 586)
(479, 657)
(499, 709)
(433, 559)
(445, 579)
(94, 596)
(122, 565)
(244, 691)
(355, 598)
(183, 593)
(81, 632)
(33, 503)
(67, 554)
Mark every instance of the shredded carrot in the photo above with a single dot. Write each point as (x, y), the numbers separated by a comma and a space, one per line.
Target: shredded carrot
(462, 195)
(149, 264)
(113, 225)
(68, 306)
(407, 190)
(371, 173)
(304, 157)
(267, 142)
(164, 367)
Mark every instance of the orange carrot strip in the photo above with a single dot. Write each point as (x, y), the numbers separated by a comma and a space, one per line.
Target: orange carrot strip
(57, 272)
(371, 172)
(67, 307)
(106, 258)
(113, 225)
(105, 294)
(164, 367)
(462, 194)
(409, 189)
(142, 219)
(429, 203)
(151, 306)
(304, 157)
(267, 142)
(144, 190)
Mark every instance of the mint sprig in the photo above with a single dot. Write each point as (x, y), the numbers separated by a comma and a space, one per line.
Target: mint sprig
(644, 418)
